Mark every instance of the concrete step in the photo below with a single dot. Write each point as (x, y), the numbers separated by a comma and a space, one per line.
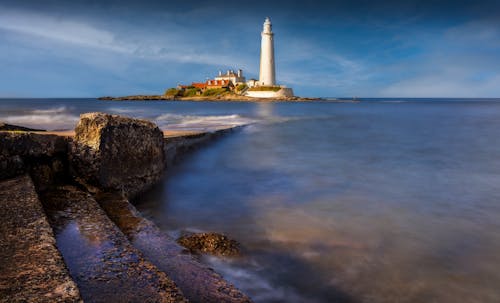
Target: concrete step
(198, 282)
(103, 263)
(31, 267)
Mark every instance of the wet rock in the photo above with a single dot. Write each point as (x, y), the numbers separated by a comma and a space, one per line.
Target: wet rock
(104, 264)
(198, 282)
(23, 152)
(210, 243)
(117, 153)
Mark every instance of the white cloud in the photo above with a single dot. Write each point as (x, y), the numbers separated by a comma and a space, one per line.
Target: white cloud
(442, 85)
(326, 68)
(480, 32)
(58, 29)
(461, 61)
(166, 46)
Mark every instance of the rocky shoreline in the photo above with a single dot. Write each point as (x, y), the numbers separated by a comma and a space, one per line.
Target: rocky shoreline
(83, 240)
(226, 97)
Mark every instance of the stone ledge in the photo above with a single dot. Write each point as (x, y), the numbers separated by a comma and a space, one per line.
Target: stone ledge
(31, 267)
(197, 282)
(106, 267)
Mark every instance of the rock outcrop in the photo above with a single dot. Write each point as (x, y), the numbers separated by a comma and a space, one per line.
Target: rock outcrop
(139, 97)
(10, 127)
(210, 243)
(117, 153)
(43, 156)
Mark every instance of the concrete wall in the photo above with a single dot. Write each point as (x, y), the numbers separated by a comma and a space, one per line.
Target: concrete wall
(283, 92)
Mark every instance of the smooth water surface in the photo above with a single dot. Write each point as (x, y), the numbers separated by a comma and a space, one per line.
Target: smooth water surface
(378, 201)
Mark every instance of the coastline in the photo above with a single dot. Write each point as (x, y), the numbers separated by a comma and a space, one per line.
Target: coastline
(78, 181)
(226, 97)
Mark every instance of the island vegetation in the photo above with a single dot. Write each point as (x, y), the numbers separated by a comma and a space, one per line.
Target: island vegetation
(265, 88)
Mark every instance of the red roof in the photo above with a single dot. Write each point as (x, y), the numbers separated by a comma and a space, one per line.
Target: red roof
(199, 85)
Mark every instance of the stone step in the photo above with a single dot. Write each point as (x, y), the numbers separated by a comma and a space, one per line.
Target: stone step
(31, 267)
(103, 263)
(198, 282)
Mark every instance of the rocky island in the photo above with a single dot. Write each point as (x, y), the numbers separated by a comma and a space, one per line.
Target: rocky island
(232, 85)
(219, 97)
(69, 232)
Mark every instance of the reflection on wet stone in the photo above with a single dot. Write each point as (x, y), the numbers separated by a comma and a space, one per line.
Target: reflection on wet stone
(100, 258)
(198, 282)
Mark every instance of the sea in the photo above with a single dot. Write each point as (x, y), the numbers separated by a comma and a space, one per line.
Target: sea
(381, 200)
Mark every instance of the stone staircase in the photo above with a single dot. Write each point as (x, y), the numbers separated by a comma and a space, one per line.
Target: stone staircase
(69, 237)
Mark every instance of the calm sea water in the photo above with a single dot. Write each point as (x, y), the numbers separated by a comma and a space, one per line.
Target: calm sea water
(380, 201)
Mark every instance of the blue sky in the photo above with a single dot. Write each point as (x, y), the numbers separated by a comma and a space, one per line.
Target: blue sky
(323, 48)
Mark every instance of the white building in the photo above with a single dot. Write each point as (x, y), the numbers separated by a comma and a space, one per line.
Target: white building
(252, 82)
(266, 87)
(236, 78)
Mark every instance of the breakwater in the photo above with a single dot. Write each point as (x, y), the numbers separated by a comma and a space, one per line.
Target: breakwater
(81, 186)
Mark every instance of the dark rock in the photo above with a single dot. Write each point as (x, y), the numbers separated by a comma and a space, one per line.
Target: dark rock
(31, 145)
(117, 153)
(10, 127)
(106, 98)
(210, 243)
(138, 98)
(50, 172)
(11, 166)
(24, 152)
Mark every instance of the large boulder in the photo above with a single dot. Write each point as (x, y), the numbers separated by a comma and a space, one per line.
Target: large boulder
(117, 153)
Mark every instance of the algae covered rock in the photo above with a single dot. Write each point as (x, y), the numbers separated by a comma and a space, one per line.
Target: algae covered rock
(210, 243)
(118, 153)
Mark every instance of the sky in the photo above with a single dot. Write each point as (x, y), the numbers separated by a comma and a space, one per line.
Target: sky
(331, 48)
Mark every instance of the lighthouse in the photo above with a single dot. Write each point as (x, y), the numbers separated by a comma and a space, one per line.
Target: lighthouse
(267, 75)
(266, 86)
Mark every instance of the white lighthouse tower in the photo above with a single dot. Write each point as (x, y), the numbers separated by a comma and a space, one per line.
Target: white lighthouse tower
(267, 75)
(267, 87)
